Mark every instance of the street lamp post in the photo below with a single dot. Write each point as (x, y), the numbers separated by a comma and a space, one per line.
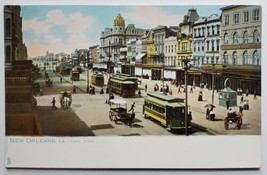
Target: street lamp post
(161, 56)
(213, 83)
(88, 54)
(109, 55)
(186, 67)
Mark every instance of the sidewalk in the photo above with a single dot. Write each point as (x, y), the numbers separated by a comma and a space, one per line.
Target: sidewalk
(251, 118)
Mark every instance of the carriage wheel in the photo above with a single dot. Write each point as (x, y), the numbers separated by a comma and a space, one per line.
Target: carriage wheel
(226, 124)
(110, 116)
(116, 120)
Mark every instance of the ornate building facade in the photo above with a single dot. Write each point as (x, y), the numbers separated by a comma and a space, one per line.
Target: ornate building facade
(112, 39)
(241, 46)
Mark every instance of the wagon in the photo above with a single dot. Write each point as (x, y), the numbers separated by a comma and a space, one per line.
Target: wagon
(65, 99)
(118, 112)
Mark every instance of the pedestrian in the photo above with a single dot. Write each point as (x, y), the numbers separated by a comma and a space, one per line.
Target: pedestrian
(189, 117)
(227, 104)
(101, 91)
(146, 87)
(74, 90)
(247, 93)
(179, 89)
(132, 107)
(53, 104)
(207, 113)
(255, 95)
(241, 99)
(139, 93)
(191, 89)
(41, 91)
(200, 94)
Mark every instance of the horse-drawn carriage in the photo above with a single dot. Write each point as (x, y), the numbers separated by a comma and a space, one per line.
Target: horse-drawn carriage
(65, 99)
(118, 112)
(233, 118)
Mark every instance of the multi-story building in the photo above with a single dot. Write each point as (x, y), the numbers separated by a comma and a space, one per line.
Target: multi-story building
(15, 49)
(20, 116)
(112, 39)
(184, 38)
(206, 40)
(241, 46)
(170, 45)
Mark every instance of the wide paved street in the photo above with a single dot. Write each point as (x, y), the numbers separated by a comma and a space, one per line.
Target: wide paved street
(88, 115)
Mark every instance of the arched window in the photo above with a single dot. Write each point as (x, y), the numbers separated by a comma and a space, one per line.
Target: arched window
(225, 58)
(225, 38)
(245, 58)
(256, 37)
(8, 54)
(235, 38)
(256, 58)
(8, 27)
(234, 59)
(245, 37)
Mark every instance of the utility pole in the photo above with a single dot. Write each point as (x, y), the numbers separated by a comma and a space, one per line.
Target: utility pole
(186, 67)
(88, 55)
(213, 65)
(109, 55)
(161, 56)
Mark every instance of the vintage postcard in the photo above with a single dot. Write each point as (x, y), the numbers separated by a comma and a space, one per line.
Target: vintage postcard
(133, 86)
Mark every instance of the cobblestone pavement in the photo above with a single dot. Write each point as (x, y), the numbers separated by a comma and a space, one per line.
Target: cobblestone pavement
(88, 115)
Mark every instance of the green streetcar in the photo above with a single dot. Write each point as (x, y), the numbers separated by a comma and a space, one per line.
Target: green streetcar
(168, 110)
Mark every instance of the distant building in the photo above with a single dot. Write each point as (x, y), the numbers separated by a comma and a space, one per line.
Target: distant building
(112, 39)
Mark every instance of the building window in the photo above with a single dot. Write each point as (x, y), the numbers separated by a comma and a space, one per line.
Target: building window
(236, 18)
(195, 32)
(184, 46)
(208, 31)
(203, 45)
(235, 38)
(256, 15)
(208, 45)
(212, 60)
(218, 29)
(256, 58)
(213, 30)
(218, 44)
(225, 58)
(199, 34)
(207, 60)
(198, 46)
(212, 45)
(226, 20)
(226, 38)
(203, 31)
(8, 54)
(234, 61)
(202, 60)
(256, 37)
(8, 27)
(246, 16)
(245, 57)
(245, 37)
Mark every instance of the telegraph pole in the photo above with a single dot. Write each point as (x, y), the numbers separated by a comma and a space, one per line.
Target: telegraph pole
(186, 94)
(88, 55)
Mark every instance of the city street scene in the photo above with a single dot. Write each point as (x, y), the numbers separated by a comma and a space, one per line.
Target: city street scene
(113, 71)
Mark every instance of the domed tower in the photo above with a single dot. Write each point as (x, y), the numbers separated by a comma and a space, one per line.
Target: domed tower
(119, 24)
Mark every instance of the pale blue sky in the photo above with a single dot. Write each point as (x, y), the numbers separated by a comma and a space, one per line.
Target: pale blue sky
(64, 28)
